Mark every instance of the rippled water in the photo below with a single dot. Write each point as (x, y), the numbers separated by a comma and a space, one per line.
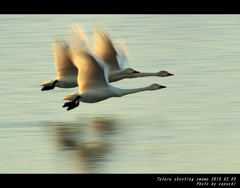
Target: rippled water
(190, 127)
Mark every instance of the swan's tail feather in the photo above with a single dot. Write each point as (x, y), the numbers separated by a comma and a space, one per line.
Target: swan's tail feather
(69, 97)
(47, 83)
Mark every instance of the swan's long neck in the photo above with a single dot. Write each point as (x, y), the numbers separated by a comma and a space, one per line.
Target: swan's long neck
(122, 92)
(118, 76)
(115, 73)
(135, 75)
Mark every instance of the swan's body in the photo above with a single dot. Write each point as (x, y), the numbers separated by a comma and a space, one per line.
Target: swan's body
(93, 81)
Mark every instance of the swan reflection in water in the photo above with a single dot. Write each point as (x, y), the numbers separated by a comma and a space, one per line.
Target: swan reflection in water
(87, 142)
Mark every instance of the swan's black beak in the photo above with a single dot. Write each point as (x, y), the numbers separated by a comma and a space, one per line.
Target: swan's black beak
(135, 71)
(160, 87)
(169, 74)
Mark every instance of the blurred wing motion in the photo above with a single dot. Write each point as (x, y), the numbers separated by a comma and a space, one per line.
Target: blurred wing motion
(92, 72)
(103, 48)
(122, 53)
(79, 38)
(63, 58)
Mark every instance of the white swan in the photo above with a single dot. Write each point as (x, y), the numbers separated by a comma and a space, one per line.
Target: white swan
(93, 81)
(116, 57)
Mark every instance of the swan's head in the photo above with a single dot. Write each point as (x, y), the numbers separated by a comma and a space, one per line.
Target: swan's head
(129, 71)
(156, 86)
(164, 73)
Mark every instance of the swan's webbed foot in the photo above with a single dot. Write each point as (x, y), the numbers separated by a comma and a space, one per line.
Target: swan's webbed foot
(73, 104)
(47, 88)
(67, 104)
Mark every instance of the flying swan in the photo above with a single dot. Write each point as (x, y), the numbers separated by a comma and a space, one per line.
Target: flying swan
(93, 81)
(114, 57)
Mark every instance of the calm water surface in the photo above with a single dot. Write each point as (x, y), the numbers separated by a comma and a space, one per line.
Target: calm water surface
(193, 126)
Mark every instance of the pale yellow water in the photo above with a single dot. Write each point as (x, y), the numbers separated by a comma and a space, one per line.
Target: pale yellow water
(192, 126)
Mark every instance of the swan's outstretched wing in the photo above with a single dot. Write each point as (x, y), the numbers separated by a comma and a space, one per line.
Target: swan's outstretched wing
(79, 37)
(122, 53)
(92, 71)
(104, 49)
(63, 58)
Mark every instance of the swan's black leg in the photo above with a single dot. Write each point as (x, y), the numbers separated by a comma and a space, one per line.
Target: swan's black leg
(49, 87)
(73, 104)
(45, 88)
(67, 104)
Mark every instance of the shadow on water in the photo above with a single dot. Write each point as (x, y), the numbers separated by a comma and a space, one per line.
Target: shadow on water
(86, 140)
